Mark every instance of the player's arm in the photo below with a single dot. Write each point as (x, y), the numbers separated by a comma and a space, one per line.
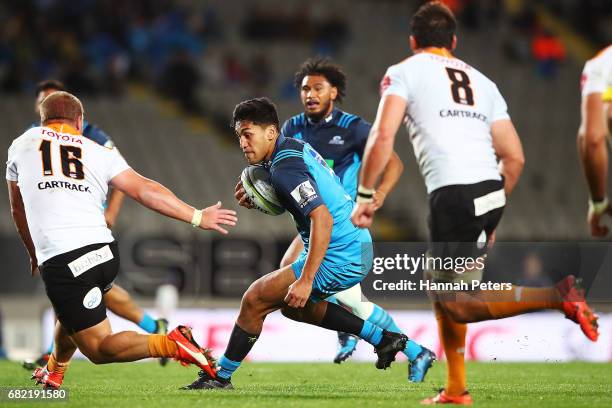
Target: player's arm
(115, 200)
(392, 171)
(509, 151)
(321, 223)
(391, 112)
(391, 175)
(292, 181)
(378, 151)
(593, 153)
(155, 196)
(21, 223)
(592, 145)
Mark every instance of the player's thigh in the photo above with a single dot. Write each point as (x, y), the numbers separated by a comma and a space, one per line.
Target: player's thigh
(116, 295)
(89, 340)
(270, 289)
(293, 252)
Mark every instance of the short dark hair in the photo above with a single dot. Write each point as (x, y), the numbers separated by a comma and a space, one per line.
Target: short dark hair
(260, 111)
(49, 84)
(434, 25)
(322, 66)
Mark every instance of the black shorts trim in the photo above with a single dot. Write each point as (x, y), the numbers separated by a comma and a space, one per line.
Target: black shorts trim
(78, 301)
(452, 218)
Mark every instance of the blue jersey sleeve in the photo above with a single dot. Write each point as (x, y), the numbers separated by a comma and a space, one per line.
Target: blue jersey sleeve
(96, 134)
(361, 130)
(295, 186)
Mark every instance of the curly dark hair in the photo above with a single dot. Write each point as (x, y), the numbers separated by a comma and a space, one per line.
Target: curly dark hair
(322, 66)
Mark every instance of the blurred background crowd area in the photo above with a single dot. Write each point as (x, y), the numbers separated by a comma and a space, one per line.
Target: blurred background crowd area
(130, 60)
(181, 47)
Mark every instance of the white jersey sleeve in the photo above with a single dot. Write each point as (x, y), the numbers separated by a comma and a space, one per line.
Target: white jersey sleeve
(395, 83)
(63, 179)
(11, 166)
(116, 163)
(500, 108)
(597, 73)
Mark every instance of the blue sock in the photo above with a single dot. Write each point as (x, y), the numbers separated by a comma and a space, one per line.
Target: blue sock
(371, 333)
(227, 367)
(50, 349)
(380, 317)
(412, 350)
(148, 324)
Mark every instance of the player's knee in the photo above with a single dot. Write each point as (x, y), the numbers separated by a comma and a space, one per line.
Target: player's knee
(251, 298)
(286, 261)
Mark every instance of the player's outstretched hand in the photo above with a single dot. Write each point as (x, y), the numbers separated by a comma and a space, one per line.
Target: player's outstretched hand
(215, 216)
(298, 293)
(379, 199)
(363, 214)
(594, 220)
(241, 196)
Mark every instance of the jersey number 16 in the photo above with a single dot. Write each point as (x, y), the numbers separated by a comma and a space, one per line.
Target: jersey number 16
(72, 167)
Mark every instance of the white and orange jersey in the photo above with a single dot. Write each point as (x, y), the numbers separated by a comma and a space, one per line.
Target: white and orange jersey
(450, 109)
(63, 179)
(597, 74)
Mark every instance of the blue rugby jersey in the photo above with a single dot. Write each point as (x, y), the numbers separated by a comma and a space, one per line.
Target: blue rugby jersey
(303, 181)
(340, 138)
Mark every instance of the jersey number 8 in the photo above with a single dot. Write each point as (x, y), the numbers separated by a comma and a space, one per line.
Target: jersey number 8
(70, 155)
(460, 87)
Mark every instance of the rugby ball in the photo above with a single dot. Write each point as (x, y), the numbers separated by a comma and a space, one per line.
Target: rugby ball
(256, 183)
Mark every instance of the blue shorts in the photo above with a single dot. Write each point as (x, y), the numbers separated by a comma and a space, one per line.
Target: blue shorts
(331, 278)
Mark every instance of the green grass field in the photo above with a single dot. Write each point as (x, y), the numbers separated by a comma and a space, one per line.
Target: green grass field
(324, 385)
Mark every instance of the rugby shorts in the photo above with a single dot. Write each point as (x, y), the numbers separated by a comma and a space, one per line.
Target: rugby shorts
(76, 281)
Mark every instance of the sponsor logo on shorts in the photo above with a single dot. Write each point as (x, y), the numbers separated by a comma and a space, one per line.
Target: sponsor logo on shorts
(489, 202)
(93, 298)
(304, 193)
(94, 258)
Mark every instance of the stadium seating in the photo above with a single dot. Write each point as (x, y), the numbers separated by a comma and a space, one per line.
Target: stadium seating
(201, 166)
(550, 201)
